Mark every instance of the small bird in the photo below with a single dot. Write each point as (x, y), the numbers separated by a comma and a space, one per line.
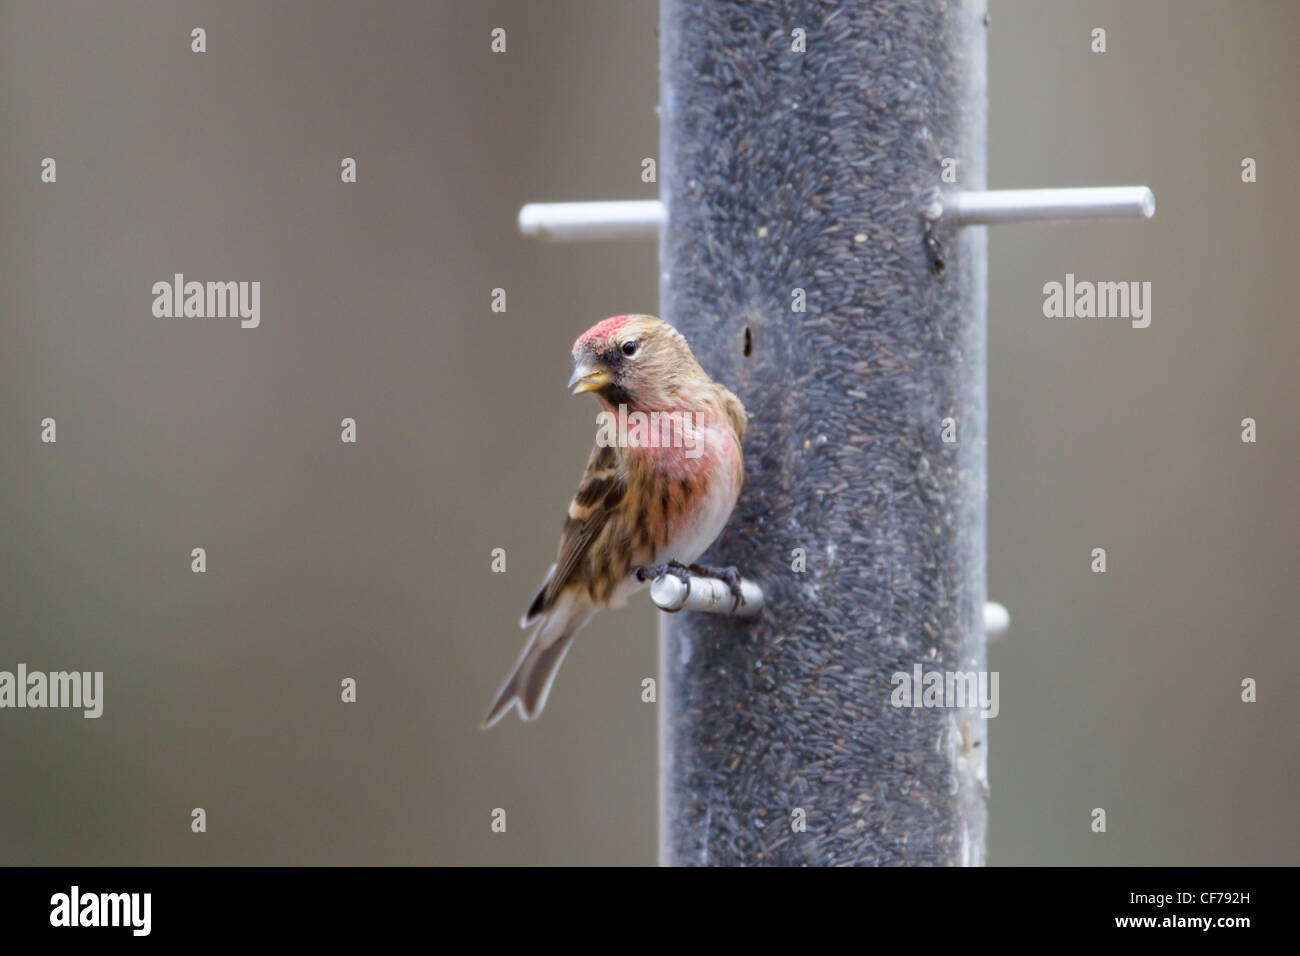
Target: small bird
(651, 500)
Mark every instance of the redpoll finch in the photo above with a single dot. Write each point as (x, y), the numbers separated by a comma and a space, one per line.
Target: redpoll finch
(658, 488)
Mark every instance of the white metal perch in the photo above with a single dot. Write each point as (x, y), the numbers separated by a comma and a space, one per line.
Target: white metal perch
(597, 221)
(671, 593)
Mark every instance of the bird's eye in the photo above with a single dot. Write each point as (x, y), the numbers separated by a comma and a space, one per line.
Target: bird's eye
(629, 348)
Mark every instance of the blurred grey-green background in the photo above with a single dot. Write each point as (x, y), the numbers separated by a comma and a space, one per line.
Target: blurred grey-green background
(328, 560)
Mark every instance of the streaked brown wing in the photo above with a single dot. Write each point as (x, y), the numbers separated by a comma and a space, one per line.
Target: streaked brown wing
(602, 489)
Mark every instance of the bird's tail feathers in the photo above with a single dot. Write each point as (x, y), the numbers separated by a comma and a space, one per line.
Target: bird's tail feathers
(533, 674)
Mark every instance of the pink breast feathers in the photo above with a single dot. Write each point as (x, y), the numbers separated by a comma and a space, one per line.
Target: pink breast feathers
(677, 444)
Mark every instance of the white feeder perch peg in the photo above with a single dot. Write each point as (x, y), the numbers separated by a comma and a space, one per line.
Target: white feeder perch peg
(996, 619)
(591, 221)
(711, 595)
(993, 206)
(643, 218)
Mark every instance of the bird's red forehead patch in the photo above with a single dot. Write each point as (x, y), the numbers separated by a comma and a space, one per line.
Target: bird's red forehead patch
(601, 330)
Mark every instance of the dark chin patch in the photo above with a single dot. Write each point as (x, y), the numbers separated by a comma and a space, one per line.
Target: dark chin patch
(615, 395)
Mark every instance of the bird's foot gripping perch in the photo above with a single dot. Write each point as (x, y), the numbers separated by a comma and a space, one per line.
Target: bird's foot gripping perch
(675, 586)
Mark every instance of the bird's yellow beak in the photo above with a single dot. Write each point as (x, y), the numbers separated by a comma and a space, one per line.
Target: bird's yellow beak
(588, 378)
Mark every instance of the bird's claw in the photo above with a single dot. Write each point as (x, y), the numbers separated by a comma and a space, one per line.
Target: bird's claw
(652, 572)
(730, 576)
